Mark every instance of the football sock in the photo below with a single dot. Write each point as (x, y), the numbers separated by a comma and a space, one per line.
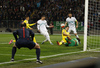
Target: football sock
(49, 40)
(77, 36)
(34, 40)
(13, 52)
(60, 43)
(38, 53)
(45, 40)
(14, 41)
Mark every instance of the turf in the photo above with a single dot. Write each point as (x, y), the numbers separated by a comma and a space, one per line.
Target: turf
(25, 53)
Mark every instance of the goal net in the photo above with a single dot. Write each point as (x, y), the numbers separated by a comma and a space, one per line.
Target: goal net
(93, 25)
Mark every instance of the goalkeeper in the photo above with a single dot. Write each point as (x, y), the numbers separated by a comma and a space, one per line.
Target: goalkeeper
(71, 42)
(28, 27)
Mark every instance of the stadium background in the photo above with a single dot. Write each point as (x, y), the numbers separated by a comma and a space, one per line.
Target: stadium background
(56, 11)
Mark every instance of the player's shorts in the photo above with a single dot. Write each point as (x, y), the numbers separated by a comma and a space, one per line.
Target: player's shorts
(63, 39)
(25, 43)
(46, 34)
(72, 29)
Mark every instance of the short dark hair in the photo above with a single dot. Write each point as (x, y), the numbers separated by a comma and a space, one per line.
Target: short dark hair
(26, 16)
(43, 16)
(69, 13)
(23, 25)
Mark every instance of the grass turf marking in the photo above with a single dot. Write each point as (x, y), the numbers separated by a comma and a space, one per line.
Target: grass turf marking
(41, 57)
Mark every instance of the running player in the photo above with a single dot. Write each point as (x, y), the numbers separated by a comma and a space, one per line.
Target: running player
(65, 34)
(25, 41)
(71, 23)
(42, 27)
(28, 27)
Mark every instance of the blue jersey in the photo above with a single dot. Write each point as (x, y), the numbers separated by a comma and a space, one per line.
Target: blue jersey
(23, 33)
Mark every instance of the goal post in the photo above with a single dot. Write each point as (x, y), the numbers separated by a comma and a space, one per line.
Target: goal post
(85, 25)
(92, 26)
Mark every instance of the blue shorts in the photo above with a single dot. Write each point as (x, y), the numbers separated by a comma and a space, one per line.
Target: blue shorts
(25, 43)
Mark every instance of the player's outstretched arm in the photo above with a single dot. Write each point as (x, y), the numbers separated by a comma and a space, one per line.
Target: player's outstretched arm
(15, 35)
(51, 26)
(32, 24)
(65, 34)
(65, 23)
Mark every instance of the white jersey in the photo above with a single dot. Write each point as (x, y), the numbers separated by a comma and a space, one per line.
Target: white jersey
(71, 21)
(41, 25)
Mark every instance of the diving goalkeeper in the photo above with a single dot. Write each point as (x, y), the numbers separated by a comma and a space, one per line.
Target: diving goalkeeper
(71, 42)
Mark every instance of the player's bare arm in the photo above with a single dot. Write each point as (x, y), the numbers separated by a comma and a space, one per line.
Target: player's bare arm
(51, 26)
(65, 34)
(65, 23)
(76, 24)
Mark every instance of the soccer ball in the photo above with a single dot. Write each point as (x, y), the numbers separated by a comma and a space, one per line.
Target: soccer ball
(62, 25)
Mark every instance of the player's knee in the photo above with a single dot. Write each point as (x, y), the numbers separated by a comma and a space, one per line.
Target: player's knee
(75, 34)
(14, 45)
(37, 46)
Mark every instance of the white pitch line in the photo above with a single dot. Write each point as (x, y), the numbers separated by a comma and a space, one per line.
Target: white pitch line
(4, 43)
(8, 42)
(42, 57)
(93, 49)
(17, 55)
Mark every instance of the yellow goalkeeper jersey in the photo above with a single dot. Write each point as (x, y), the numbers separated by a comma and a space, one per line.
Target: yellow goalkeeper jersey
(27, 24)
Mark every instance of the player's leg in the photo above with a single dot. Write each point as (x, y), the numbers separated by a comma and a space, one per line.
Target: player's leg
(77, 37)
(13, 52)
(14, 49)
(60, 43)
(44, 41)
(69, 30)
(74, 30)
(44, 34)
(11, 41)
(34, 40)
(37, 47)
(48, 38)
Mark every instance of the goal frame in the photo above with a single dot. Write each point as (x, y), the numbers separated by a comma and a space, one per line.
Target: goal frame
(85, 25)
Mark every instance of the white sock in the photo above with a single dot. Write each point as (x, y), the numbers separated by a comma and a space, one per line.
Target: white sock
(45, 40)
(77, 36)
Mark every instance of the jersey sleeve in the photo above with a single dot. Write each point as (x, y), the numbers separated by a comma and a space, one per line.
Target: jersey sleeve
(25, 21)
(67, 20)
(38, 26)
(27, 25)
(75, 19)
(47, 24)
(31, 24)
(15, 33)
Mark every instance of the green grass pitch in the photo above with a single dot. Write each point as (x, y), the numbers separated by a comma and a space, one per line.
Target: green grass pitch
(25, 53)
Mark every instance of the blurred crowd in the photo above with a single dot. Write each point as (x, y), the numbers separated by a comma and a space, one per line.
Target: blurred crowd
(54, 10)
